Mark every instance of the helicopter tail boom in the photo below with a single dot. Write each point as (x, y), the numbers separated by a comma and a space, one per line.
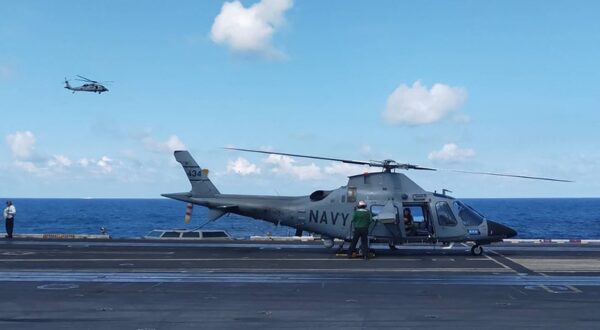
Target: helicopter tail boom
(201, 184)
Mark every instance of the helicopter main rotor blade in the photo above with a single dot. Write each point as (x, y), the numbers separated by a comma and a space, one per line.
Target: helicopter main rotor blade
(512, 176)
(391, 164)
(416, 167)
(388, 164)
(357, 162)
(86, 79)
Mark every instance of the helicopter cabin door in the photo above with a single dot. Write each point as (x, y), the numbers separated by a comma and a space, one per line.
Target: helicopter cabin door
(417, 221)
(446, 223)
(386, 226)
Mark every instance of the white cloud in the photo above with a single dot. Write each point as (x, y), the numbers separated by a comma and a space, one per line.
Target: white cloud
(450, 152)
(105, 164)
(84, 162)
(417, 105)
(242, 166)
(59, 161)
(286, 165)
(171, 144)
(21, 144)
(250, 30)
(346, 169)
(46, 168)
(22, 147)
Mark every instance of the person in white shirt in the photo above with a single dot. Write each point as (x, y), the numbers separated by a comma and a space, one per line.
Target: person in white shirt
(9, 217)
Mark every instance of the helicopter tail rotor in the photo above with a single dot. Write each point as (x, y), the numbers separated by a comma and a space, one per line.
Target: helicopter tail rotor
(188, 213)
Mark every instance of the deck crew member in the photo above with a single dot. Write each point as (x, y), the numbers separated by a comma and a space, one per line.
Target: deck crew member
(361, 220)
(9, 218)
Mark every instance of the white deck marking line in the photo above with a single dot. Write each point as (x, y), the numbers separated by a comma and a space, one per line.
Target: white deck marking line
(547, 289)
(295, 278)
(570, 287)
(498, 262)
(270, 270)
(42, 252)
(196, 259)
(559, 264)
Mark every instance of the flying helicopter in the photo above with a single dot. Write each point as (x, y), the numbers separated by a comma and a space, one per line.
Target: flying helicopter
(436, 217)
(88, 86)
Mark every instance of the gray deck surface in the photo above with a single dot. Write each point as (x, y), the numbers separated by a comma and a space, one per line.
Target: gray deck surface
(137, 284)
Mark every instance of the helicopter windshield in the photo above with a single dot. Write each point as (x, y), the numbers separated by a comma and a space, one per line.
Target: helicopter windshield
(469, 216)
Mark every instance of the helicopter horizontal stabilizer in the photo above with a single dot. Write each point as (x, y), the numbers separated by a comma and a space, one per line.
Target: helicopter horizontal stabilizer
(183, 196)
(217, 212)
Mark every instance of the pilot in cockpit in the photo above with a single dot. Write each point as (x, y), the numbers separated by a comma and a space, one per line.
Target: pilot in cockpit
(409, 223)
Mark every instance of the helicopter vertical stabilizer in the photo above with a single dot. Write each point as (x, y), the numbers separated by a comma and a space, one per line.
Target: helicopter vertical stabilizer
(201, 184)
(67, 85)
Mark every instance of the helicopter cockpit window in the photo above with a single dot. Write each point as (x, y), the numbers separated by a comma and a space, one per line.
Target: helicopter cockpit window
(445, 215)
(351, 195)
(468, 215)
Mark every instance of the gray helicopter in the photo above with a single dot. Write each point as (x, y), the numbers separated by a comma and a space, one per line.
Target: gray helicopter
(89, 86)
(434, 218)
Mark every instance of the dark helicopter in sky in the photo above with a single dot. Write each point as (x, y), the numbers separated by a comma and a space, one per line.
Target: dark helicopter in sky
(88, 86)
(436, 218)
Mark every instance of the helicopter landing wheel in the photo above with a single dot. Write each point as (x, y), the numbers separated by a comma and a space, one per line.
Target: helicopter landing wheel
(477, 250)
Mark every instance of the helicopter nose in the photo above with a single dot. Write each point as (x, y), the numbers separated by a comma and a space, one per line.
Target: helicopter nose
(496, 229)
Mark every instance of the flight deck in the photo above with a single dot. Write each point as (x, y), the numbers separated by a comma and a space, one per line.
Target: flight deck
(144, 284)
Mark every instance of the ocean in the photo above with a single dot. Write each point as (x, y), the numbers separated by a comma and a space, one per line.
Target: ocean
(570, 218)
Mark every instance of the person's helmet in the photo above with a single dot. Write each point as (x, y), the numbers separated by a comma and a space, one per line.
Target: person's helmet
(362, 204)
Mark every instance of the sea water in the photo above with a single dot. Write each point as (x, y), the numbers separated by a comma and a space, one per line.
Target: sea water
(572, 218)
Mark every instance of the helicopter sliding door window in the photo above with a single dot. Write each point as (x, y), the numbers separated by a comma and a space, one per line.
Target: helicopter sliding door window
(351, 195)
(445, 215)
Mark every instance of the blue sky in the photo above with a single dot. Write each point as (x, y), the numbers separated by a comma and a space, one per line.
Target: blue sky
(500, 86)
